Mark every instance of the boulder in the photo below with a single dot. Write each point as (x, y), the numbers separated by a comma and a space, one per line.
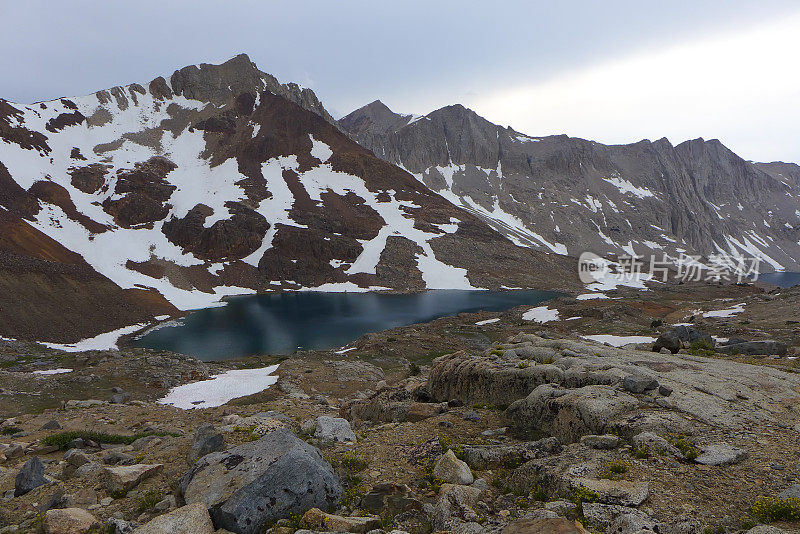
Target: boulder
(455, 506)
(52, 424)
(669, 341)
(30, 477)
(602, 516)
(486, 457)
(69, 521)
(206, 440)
(721, 454)
(639, 383)
(76, 457)
(120, 398)
(544, 525)
(569, 414)
(690, 334)
(249, 486)
(619, 492)
(792, 492)
(318, 520)
(753, 348)
(126, 477)
(333, 429)
(189, 519)
(633, 522)
(117, 457)
(387, 497)
(450, 469)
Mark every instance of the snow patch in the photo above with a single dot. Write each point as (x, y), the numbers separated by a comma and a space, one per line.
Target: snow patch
(541, 314)
(221, 388)
(107, 341)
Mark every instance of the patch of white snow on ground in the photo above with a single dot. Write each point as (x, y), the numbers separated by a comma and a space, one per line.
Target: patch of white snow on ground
(344, 351)
(107, 341)
(59, 371)
(618, 341)
(542, 314)
(320, 150)
(221, 388)
(488, 321)
(728, 312)
(592, 296)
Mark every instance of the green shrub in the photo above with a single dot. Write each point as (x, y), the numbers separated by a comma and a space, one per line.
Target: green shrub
(581, 495)
(495, 352)
(428, 479)
(414, 369)
(702, 347)
(353, 463)
(10, 430)
(687, 448)
(615, 468)
(148, 499)
(641, 452)
(62, 439)
(523, 364)
(771, 509)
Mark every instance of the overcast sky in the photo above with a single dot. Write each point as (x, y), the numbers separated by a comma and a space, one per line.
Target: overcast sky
(613, 71)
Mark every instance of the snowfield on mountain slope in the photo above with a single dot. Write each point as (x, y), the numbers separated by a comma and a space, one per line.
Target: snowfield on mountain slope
(196, 182)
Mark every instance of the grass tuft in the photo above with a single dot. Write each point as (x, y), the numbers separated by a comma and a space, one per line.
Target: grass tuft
(63, 439)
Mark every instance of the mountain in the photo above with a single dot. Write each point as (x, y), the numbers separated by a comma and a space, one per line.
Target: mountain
(150, 199)
(569, 195)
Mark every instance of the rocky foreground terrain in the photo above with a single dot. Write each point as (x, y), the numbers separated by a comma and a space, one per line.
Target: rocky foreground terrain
(520, 421)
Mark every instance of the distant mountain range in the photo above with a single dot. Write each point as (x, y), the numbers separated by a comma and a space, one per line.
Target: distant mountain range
(566, 195)
(149, 199)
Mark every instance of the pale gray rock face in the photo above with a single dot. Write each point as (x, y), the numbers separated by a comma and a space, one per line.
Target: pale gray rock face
(721, 454)
(248, 486)
(333, 429)
(452, 470)
(586, 396)
(192, 518)
(584, 195)
(792, 491)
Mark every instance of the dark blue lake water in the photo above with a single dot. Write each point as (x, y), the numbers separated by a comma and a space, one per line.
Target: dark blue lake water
(284, 322)
(780, 279)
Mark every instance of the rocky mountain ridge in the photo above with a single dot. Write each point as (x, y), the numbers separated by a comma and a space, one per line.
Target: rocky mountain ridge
(570, 195)
(174, 194)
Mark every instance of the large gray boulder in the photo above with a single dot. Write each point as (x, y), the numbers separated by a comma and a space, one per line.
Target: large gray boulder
(766, 347)
(450, 469)
(30, 477)
(248, 486)
(569, 414)
(669, 341)
(721, 454)
(333, 429)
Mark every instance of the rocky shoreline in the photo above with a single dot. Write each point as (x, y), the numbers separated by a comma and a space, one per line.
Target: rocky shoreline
(514, 424)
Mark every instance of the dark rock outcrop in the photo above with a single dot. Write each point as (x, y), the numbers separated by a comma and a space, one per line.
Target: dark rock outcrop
(250, 485)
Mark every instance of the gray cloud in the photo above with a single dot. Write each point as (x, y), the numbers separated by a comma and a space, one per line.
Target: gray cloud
(415, 55)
